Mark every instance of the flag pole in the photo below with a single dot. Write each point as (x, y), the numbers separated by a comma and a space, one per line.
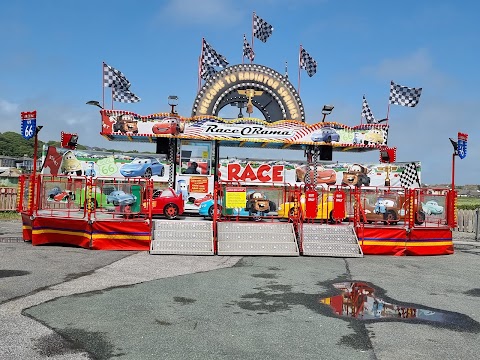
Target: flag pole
(299, 54)
(103, 85)
(388, 108)
(361, 112)
(243, 55)
(200, 59)
(253, 46)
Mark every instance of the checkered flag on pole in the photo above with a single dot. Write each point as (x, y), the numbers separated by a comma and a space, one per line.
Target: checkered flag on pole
(409, 175)
(404, 96)
(124, 95)
(261, 29)
(207, 71)
(114, 77)
(367, 113)
(210, 56)
(247, 49)
(308, 63)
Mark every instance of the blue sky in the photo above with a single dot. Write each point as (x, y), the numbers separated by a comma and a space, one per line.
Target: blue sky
(52, 54)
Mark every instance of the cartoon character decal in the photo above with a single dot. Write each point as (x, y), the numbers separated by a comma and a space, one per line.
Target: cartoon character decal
(90, 169)
(70, 164)
(126, 123)
(356, 175)
(374, 137)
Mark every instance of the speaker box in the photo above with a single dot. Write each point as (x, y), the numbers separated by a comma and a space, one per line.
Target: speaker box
(163, 145)
(326, 152)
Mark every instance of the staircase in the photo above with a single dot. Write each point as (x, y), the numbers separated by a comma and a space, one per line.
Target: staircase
(330, 240)
(254, 238)
(182, 237)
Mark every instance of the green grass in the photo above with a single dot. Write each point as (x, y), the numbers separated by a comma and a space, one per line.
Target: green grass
(468, 203)
(10, 215)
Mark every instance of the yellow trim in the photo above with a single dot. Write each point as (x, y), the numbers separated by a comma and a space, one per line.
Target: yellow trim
(427, 243)
(121, 236)
(26, 227)
(56, 231)
(404, 243)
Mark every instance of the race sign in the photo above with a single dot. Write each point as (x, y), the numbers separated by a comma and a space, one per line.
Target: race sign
(29, 124)
(462, 145)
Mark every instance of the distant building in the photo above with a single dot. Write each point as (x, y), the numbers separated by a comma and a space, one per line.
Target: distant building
(23, 163)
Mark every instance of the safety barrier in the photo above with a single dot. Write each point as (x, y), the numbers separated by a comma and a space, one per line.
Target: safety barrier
(89, 198)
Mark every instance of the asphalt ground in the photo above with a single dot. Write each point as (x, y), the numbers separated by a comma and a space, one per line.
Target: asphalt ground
(59, 302)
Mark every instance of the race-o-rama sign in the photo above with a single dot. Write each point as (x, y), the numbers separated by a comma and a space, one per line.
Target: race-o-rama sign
(267, 90)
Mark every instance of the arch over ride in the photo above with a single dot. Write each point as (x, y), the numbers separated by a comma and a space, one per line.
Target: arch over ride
(251, 84)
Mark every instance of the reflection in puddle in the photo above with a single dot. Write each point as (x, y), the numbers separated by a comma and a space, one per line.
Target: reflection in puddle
(358, 301)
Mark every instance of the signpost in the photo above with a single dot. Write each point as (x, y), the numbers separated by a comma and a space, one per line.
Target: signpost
(29, 124)
(462, 145)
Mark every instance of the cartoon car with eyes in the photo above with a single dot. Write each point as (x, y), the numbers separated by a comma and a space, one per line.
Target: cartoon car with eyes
(327, 134)
(145, 167)
(356, 175)
(324, 176)
(374, 137)
(70, 164)
(168, 125)
(257, 203)
(387, 208)
(431, 207)
(126, 123)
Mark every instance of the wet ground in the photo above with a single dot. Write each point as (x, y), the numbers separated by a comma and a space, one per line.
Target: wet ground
(69, 303)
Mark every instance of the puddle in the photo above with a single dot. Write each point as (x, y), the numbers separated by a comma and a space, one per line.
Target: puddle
(358, 301)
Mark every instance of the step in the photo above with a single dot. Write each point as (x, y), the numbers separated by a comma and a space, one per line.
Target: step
(328, 229)
(182, 247)
(343, 238)
(330, 240)
(255, 227)
(182, 238)
(257, 248)
(332, 249)
(256, 237)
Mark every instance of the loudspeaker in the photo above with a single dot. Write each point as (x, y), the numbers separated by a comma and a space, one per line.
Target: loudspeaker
(163, 145)
(326, 152)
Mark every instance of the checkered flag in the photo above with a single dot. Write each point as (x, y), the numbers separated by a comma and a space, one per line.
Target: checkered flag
(124, 95)
(261, 29)
(207, 71)
(409, 175)
(210, 56)
(247, 49)
(404, 96)
(367, 113)
(308, 63)
(114, 77)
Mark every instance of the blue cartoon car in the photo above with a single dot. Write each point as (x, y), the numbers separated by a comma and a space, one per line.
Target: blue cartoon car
(256, 207)
(207, 208)
(119, 197)
(327, 134)
(432, 207)
(144, 167)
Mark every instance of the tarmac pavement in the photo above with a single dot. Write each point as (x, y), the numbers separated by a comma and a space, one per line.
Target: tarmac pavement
(60, 302)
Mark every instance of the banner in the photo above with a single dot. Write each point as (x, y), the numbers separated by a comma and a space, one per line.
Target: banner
(462, 145)
(29, 124)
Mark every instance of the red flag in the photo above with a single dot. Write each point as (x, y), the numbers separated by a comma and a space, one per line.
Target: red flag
(53, 160)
